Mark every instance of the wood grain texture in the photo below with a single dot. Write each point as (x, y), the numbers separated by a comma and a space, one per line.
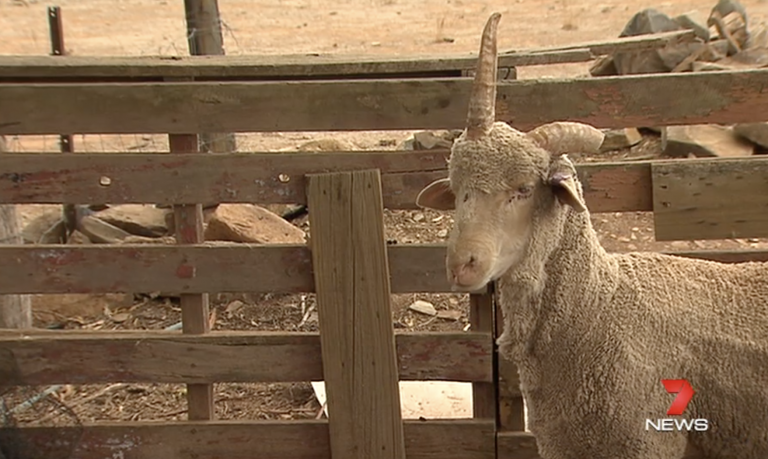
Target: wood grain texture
(516, 445)
(64, 357)
(209, 267)
(511, 412)
(608, 102)
(352, 284)
(204, 38)
(195, 308)
(241, 177)
(415, 268)
(464, 439)
(712, 200)
(15, 310)
(481, 317)
(45, 178)
(306, 65)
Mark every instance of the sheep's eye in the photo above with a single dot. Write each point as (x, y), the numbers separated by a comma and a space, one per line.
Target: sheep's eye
(524, 189)
(466, 197)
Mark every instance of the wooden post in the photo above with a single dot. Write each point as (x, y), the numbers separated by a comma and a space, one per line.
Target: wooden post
(66, 143)
(205, 38)
(15, 310)
(351, 270)
(481, 317)
(194, 307)
(511, 408)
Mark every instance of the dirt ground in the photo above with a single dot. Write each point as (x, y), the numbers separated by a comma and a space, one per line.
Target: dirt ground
(383, 27)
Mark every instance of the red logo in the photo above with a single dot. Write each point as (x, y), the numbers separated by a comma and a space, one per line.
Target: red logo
(684, 392)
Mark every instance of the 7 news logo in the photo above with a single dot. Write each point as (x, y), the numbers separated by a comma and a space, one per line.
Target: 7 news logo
(684, 392)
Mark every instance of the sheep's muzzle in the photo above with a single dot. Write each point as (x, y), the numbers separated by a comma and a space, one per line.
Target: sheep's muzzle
(469, 262)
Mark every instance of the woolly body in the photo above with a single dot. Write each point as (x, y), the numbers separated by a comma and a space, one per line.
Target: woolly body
(592, 333)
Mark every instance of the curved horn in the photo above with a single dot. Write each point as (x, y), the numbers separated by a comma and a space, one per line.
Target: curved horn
(482, 99)
(564, 136)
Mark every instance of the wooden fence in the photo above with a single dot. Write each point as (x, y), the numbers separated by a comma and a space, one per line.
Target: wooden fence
(350, 267)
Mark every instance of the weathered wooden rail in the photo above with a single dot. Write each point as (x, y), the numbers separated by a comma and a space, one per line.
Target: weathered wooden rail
(49, 96)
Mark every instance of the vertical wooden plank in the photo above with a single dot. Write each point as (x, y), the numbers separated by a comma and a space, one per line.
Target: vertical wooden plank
(15, 310)
(204, 37)
(511, 407)
(351, 270)
(194, 307)
(481, 316)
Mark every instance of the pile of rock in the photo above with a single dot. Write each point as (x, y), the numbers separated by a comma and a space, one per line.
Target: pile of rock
(724, 41)
(146, 223)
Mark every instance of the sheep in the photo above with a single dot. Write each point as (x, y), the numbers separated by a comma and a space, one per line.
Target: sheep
(593, 333)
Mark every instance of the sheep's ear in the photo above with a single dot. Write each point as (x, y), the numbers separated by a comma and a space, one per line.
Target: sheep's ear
(563, 183)
(437, 195)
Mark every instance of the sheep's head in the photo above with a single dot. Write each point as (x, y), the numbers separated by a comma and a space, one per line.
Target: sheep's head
(500, 179)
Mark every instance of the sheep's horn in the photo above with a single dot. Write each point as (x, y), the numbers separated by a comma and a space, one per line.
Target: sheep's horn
(564, 136)
(482, 99)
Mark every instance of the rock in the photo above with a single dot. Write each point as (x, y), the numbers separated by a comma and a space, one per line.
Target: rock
(758, 36)
(139, 219)
(694, 20)
(406, 144)
(250, 223)
(426, 140)
(282, 209)
(754, 132)
(649, 21)
(754, 58)
(423, 307)
(170, 221)
(36, 228)
(429, 140)
(78, 238)
(616, 139)
(680, 56)
(449, 315)
(704, 140)
(327, 144)
(101, 232)
(603, 66)
(730, 19)
(233, 307)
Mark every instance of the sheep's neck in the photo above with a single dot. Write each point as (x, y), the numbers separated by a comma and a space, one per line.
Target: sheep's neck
(550, 271)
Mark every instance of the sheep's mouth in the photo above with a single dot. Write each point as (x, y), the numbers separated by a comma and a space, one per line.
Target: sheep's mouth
(478, 287)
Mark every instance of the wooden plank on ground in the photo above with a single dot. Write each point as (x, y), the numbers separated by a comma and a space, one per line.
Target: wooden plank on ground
(64, 357)
(195, 310)
(351, 272)
(48, 178)
(307, 439)
(306, 65)
(608, 102)
(710, 200)
(416, 268)
(216, 267)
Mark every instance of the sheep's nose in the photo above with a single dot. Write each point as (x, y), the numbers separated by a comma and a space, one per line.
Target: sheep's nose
(464, 273)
